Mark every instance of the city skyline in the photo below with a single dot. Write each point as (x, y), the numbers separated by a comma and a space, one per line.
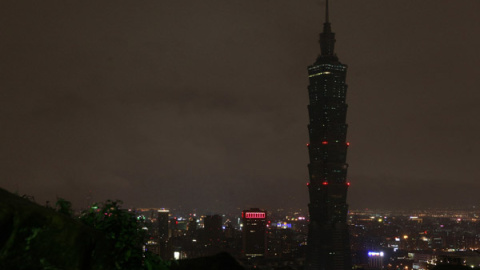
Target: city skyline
(203, 104)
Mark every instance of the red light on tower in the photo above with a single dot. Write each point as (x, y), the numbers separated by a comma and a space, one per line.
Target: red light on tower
(348, 183)
(325, 183)
(348, 144)
(324, 142)
(308, 144)
(308, 184)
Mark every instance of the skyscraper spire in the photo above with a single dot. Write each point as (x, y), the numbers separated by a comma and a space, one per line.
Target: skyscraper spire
(327, 38)
(326, 13)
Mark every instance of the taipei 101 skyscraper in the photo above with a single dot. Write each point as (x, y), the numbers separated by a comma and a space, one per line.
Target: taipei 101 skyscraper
(328, 238)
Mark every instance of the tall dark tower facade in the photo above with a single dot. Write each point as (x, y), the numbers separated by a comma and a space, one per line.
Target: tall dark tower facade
(328, 238)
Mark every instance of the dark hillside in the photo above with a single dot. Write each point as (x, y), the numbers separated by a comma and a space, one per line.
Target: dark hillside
(36, 237)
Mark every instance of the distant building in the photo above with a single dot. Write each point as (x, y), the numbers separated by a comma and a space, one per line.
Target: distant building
(254, 232)
(163, 224)
(422, 259)
(192, 226)
(375, 260)
(213, 228)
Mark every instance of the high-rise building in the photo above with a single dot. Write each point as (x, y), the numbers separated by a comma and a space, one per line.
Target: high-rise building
(163, 224)
(192, 226)
(163, 234)
(375, 260)
(328, 239)
(213, 228)
(254, 233)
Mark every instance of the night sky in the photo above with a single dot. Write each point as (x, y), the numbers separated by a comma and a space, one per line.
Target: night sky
(203, 104)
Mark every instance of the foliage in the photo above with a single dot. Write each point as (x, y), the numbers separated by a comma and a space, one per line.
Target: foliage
(64, 207)
(126, 233)
(37, 238)
(153, 262)
(121, 228)
(40, 238)
(28, 240)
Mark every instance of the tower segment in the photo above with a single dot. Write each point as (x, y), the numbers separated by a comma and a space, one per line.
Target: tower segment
(328, 238)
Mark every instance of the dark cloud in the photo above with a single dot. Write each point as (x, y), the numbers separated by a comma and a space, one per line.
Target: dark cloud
(203, 104)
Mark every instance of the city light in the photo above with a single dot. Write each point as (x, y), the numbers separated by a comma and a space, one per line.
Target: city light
(375, 254)
(254, 215)
(318, 74)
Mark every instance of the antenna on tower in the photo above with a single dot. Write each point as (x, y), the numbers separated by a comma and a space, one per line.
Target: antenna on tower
(326, 13)
(327, 37)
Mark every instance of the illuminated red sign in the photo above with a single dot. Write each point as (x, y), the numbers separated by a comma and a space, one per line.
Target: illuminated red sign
(254, 215)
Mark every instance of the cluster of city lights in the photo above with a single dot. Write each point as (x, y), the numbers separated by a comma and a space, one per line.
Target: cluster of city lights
(375, 254)
(254, 215)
